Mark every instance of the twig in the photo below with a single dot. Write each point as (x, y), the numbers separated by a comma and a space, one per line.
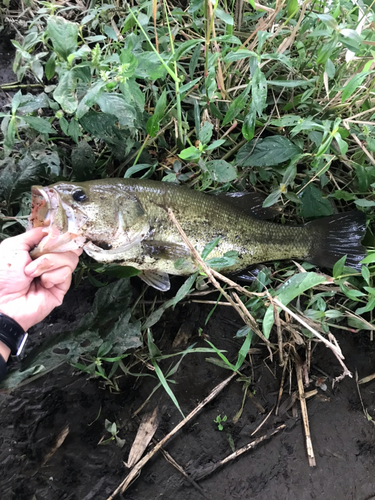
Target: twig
(367, 153)
(209, 469)
(177, 466)
(137, 468)
(237, 303)
(305, 416)
(334, 348)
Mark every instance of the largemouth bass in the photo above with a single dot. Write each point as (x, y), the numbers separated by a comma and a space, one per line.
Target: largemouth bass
(125, 221)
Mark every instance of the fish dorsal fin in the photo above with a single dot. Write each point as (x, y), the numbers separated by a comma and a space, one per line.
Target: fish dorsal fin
(156, 279)
(250, 203)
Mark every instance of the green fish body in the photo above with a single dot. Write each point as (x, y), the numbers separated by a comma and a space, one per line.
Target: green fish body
(126, 221)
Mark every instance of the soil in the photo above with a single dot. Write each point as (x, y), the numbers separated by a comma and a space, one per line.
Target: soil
(33, 418)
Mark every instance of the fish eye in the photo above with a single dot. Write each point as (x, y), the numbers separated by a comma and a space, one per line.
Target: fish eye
(79, 195)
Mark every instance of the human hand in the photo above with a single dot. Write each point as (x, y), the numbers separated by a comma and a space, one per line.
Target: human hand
(30, 290)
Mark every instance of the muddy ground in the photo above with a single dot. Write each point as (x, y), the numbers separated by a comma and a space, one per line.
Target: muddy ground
(33, 417)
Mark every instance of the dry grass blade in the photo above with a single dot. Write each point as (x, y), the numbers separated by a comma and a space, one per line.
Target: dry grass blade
(305, 416)
(59, 441)
(364, 380)
(146, 431)
(137, 468)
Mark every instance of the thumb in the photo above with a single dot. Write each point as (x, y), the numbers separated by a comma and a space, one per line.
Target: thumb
(26, 241)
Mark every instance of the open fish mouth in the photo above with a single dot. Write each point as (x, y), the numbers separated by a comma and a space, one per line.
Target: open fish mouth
(58, 220)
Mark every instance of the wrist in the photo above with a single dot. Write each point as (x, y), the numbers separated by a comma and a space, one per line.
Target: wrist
(18, 318)
(4, 351)
(12, 335)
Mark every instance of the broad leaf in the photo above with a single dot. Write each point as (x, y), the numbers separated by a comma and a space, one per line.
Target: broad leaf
(221, 171)
(291, 289)
(267, 152)
(63, 35)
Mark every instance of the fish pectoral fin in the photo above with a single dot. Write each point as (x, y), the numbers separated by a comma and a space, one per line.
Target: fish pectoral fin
(156, 279)
(165, 250)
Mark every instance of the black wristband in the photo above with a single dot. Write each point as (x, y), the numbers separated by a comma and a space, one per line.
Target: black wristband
(3, 368)
(12, 334)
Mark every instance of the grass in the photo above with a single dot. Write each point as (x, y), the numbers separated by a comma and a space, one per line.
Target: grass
(279, 100)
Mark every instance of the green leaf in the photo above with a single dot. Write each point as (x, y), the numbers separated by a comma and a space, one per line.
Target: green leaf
(239, 54)
(248, 127)
(205, 132)
(152, 126)
(258, 91)
(272, 198)
(64, 93)
(73, 130)
(267, 152)
(328, 20)
(209, 247)
(342, 144)
(128, 63)
(16, 179)
(365, 274)
(188, 86)
(186, 46)
(236, 106)
(369, 259)
(338, 268)
(39, 124)
(292, 288)
(194, 61)
(353, 84)
(330, 68)
(63, 35)
(215, 144)
(292, 83)
(90, 98)
(313, 203)
(138, 168)
(221, 14)
(242, 353)
(83, 161)
(117, 105)
(364, 203)
(292, 7)
(221, 171)
(49, 68)
(190, 154)
(228, 259)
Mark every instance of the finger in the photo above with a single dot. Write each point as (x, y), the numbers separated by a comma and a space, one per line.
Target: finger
(25, 241)
(61, 278)
(52, 261)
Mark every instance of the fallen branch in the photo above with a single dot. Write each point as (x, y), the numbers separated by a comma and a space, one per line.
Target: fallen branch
(209, 469)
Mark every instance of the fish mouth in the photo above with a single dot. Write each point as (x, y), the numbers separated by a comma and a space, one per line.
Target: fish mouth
(58, 220)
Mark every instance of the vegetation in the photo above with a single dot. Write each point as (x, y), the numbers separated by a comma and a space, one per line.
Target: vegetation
(278, 99)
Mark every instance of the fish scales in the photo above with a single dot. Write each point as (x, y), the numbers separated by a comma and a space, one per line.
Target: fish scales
(126, 221)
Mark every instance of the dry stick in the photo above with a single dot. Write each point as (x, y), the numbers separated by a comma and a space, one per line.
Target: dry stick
(367, 153)
(177, 466)
(305, 416)
(137, 468)
(334, 348)
(209, 469)
(239, 306)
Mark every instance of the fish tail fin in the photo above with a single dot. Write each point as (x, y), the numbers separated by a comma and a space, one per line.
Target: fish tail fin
(336, 236)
